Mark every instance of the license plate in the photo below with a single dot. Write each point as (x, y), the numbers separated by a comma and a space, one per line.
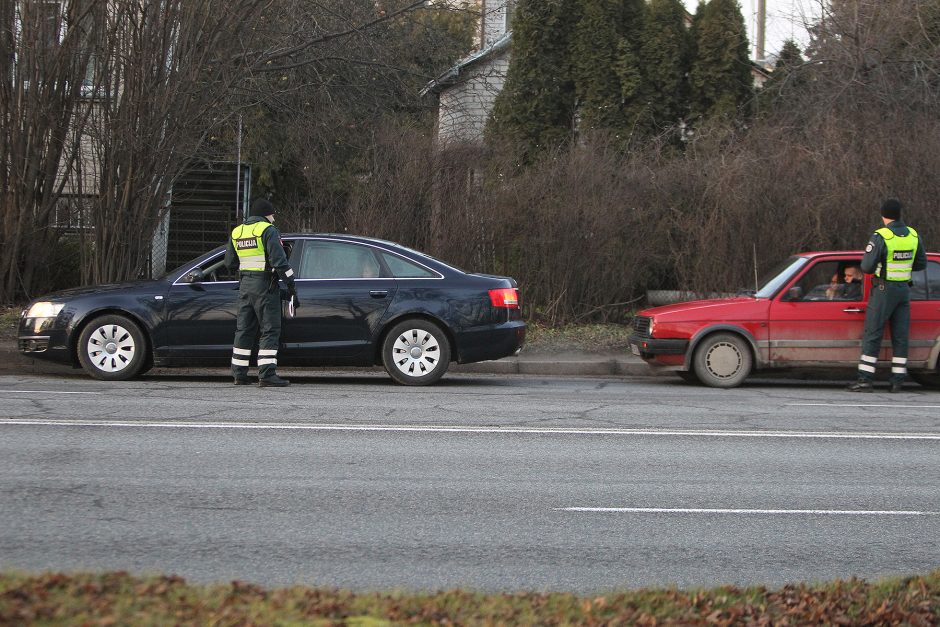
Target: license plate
(635, 349)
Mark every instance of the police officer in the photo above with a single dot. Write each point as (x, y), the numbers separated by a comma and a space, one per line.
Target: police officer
(255, 249)
(892, 255)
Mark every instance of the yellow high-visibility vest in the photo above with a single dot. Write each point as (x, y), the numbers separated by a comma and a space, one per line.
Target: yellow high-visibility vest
(248, 245)
(901, 251)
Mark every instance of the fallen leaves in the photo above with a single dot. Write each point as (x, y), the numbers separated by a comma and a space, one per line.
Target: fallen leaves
(118, 598)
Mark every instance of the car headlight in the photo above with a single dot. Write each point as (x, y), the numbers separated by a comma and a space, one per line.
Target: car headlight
(44, 309)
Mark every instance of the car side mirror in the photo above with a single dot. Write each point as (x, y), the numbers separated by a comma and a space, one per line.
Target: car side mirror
(795, 293)
(195, 276)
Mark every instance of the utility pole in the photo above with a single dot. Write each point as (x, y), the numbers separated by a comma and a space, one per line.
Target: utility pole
(760, 53)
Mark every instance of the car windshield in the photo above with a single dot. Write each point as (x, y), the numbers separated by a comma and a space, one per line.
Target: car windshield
(772, 281)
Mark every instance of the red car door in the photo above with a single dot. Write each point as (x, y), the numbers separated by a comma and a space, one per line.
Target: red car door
(925, 315)
(818, 318)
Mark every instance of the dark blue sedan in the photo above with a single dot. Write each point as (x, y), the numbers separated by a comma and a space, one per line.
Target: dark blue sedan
(362, 302)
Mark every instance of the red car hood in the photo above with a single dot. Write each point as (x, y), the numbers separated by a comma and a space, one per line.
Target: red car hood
(739, 308)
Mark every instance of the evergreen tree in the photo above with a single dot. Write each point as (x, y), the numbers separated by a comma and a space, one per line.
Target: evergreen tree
(594, 53)
(535, 109)
(634, 93)
(785, 81)
(720, 79)
(665, 57)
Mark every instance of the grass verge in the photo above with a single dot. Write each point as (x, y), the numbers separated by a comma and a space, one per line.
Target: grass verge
(591, 338)
(121, 599)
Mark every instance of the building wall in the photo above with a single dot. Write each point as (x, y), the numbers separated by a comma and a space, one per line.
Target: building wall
(494, 20)
(465, 107)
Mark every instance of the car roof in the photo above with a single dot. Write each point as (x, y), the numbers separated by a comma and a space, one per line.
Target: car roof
(831, 253)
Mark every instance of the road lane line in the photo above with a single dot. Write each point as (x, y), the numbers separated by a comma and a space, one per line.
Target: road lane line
(802, 512)
(861, 405)
(464, 429)
(41, 392)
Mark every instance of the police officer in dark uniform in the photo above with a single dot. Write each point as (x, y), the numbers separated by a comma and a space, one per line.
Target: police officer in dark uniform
(892, 255)
(255, 249)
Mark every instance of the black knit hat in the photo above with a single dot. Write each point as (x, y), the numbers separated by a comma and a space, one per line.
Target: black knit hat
(891, 209)
(261, 207)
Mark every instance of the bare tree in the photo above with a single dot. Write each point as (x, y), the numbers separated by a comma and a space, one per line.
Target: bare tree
(44, 54)
(104, 101)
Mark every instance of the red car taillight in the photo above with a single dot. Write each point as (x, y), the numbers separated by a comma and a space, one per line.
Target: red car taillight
(505, 297)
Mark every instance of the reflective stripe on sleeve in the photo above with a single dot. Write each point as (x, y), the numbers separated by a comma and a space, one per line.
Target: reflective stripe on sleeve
(899, 360)
(899, 370)
(869, 359)
(267, 352)
(289, 273)
(866, 368)
(240, 362)
(242, 351)
(269, 361)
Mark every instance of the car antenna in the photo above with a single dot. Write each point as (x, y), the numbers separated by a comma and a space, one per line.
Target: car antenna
(756, 285)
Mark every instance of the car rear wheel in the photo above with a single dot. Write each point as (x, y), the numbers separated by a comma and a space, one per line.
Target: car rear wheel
(112, 348)
(416, 352)
(929, 380)
(722, 360)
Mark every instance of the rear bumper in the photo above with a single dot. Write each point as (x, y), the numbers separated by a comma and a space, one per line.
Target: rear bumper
(490, 342)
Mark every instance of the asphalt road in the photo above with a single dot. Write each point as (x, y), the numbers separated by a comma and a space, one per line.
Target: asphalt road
(492, 483)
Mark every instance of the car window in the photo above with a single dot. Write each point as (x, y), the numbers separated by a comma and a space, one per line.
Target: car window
(404, 269)
(932, 279)
(214, 270)
(337, 260)
(829, 280)
(919, 285)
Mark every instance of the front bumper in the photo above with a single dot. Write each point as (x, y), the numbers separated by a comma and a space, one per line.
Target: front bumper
(646, 347)
(43, 338)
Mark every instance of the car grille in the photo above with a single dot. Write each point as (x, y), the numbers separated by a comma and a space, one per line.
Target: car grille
(641, 325)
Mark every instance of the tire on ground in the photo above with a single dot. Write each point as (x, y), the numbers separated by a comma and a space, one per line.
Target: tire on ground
(723, 360)
(112, 348)
(416, 352)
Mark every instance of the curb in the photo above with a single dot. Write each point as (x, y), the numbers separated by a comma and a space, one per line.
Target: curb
(568, 364)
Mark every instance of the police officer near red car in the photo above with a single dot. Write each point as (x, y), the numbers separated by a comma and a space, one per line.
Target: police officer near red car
(892, 255)
(256, 251)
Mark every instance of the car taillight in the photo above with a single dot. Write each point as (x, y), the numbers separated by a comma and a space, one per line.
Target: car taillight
(505, 297)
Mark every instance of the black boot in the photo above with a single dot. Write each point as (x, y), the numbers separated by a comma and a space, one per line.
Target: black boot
(862, 385)
(273, 381)
(896, 386)
(242, 381)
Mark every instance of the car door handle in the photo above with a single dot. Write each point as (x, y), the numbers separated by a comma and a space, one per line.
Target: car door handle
(853, 310)
(378, 293)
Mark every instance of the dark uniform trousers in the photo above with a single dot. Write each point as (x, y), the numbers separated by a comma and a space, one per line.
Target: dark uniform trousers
(890, 301)
(259, 308)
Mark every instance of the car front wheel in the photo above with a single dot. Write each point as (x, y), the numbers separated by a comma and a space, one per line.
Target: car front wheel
(722, 360)
(416, 352)
(112, 348)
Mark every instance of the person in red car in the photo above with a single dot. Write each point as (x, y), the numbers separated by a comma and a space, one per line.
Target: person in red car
(851, 289)
(893, 253)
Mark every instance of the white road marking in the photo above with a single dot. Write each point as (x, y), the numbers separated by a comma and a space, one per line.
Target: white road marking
(892, 405)
(40, 392)
(182, 424)
(802, 512)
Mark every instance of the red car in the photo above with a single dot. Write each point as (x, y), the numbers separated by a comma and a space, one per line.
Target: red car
(800, 316)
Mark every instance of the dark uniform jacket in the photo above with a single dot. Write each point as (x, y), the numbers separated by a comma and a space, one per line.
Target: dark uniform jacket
(274, 254)
(877, 251)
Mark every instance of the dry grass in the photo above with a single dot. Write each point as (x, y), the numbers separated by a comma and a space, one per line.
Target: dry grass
(121, 599)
